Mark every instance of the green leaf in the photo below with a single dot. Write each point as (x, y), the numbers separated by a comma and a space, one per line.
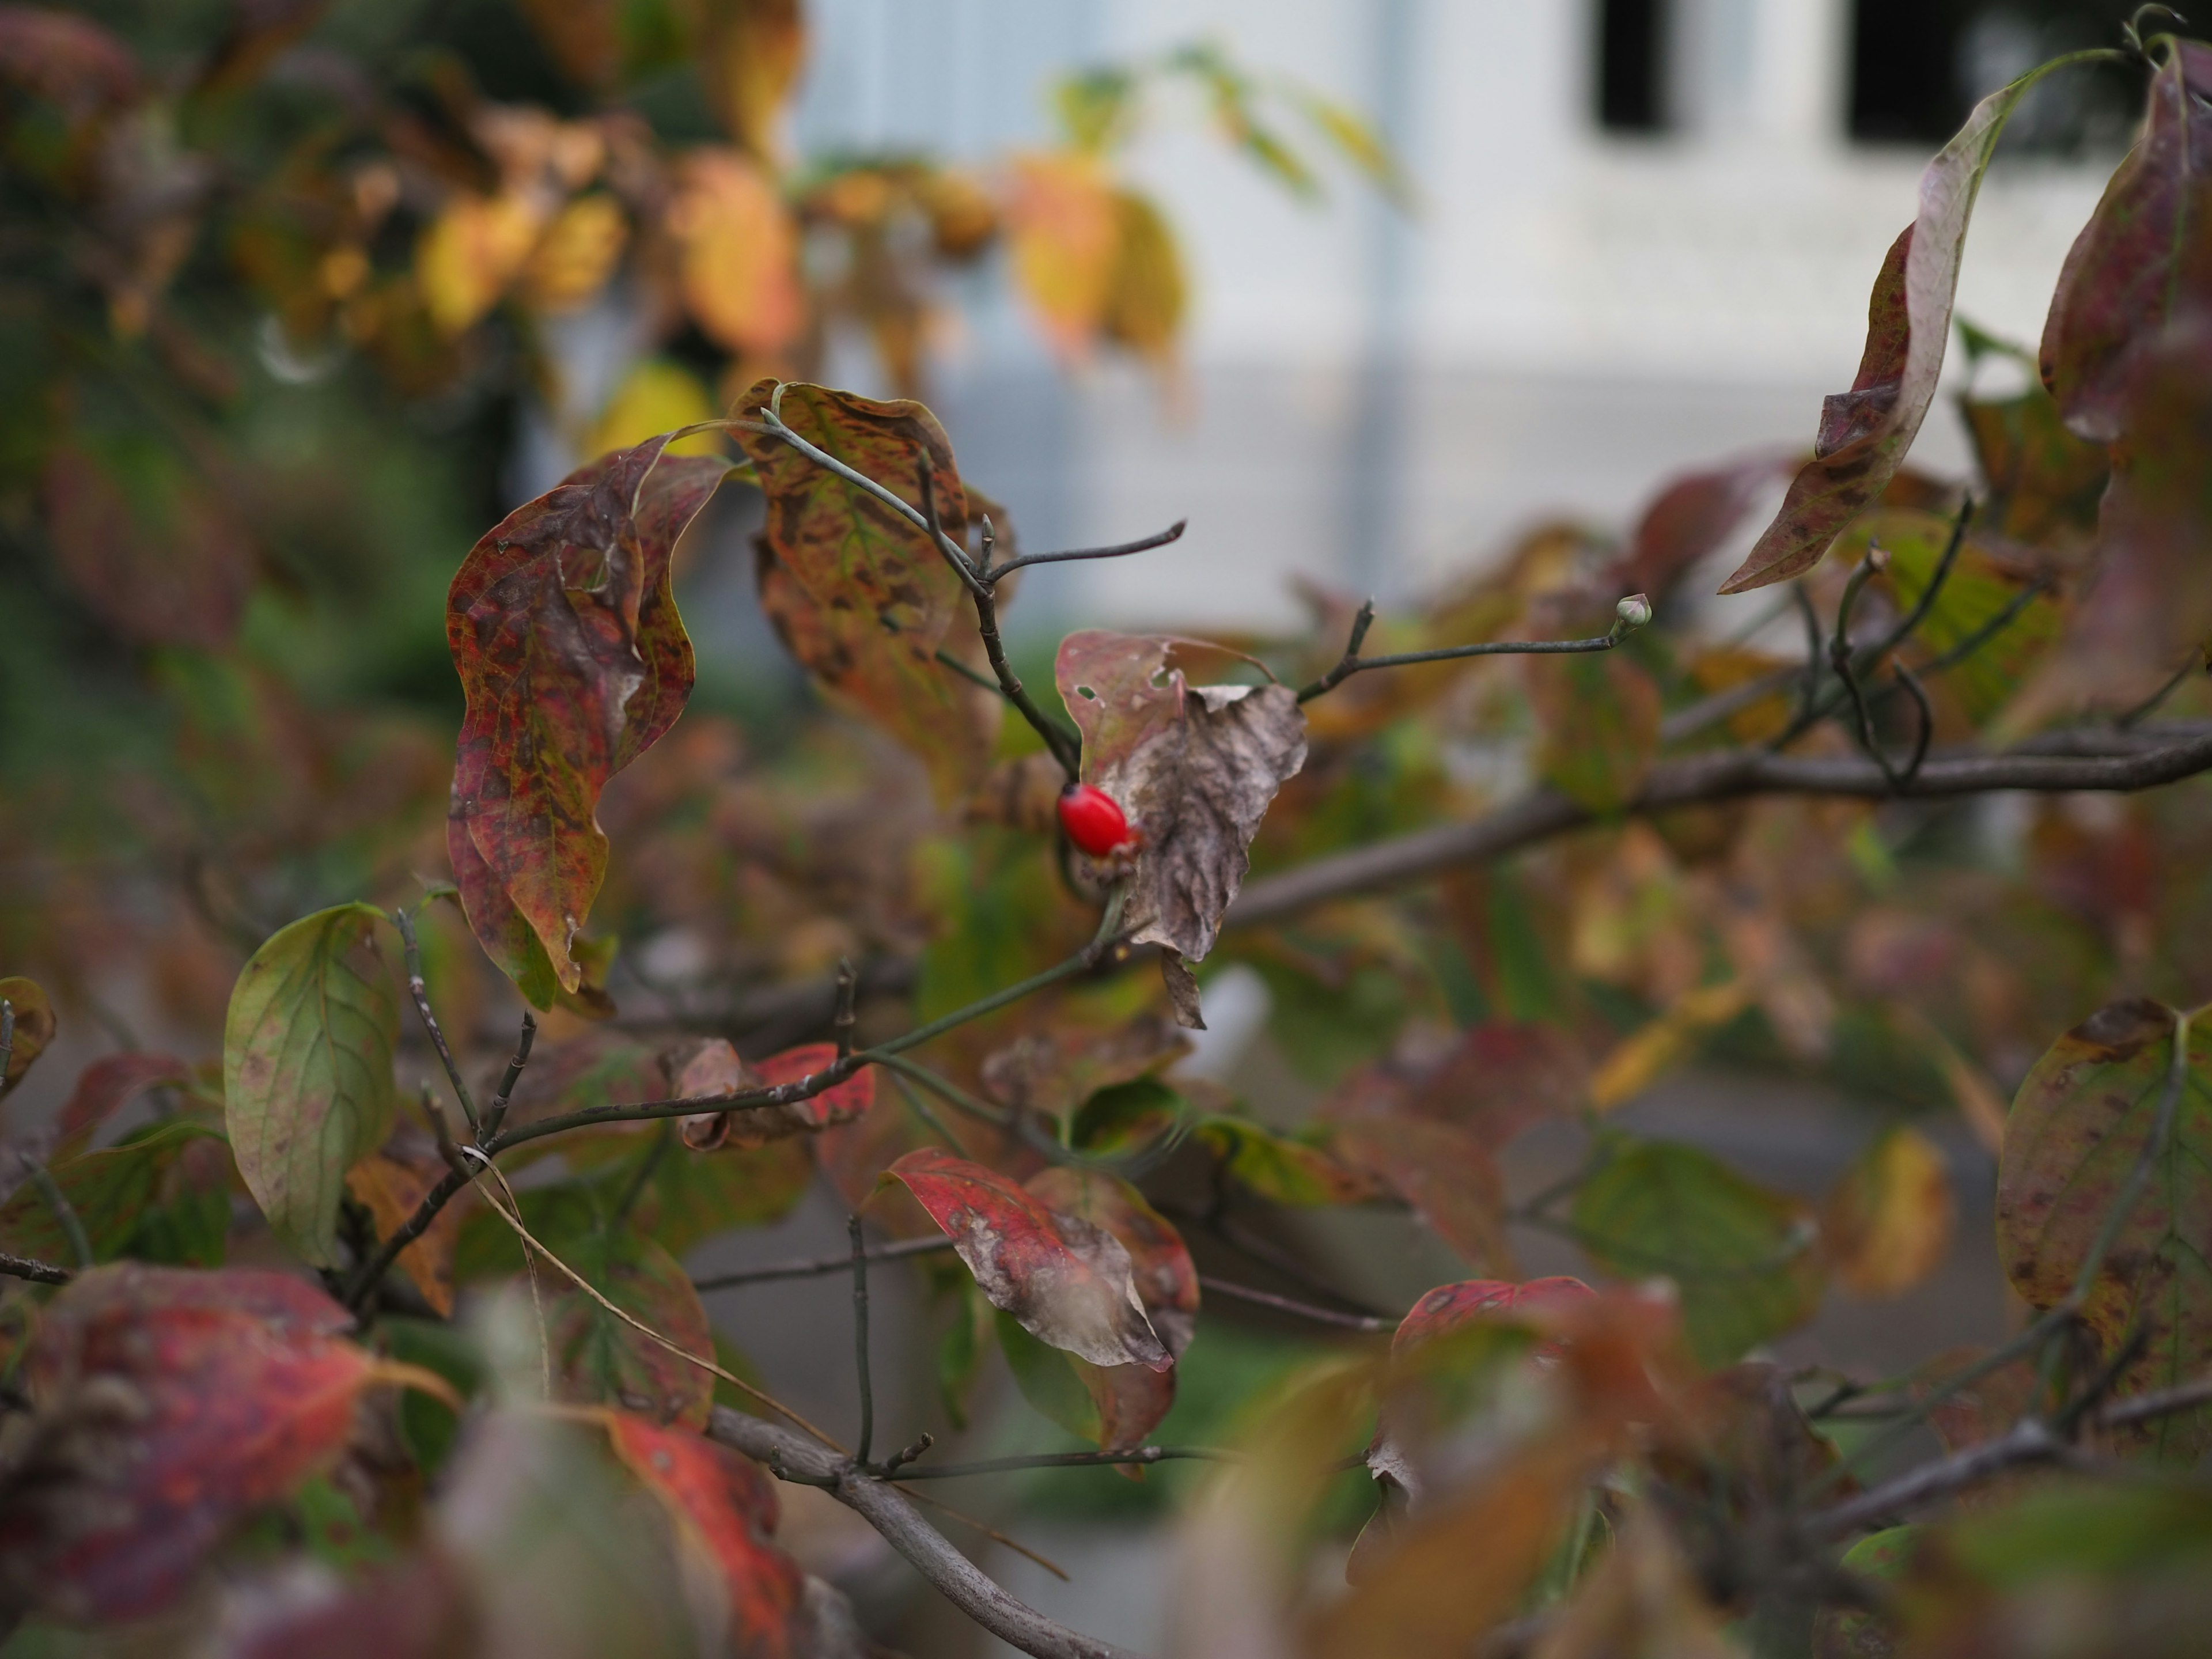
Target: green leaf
(1048, 1380)
(117, 1194)
(307, 1060)
(1855, 1632)
(599, 1359)
(1979, 591)
(2078, 1129)
(1742, 1256)
(1280, 1170)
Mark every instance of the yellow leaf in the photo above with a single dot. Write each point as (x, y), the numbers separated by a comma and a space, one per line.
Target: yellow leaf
(739, 265)
(1144, 295)
(577, 254)
(1065, 226)
(749, 55)
(1644, 1055)
(469, 254)
(656, 396)
(1888, 1222)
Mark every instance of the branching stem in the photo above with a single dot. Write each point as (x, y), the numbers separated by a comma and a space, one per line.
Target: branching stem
(1634, 611)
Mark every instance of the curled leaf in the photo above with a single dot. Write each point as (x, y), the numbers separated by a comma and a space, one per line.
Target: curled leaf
(715, 1068)
(1193, 767)
(307, 1065)
(1068, 1281)
(574, 662)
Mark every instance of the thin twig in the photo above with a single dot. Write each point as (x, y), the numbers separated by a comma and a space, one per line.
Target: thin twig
(1141, 1455)
(2149, 705)
(848, 986)
(646, 1166)
(818, 1267)
(1632, 613)
(1905, 677)
(992, 573)
(1808, 698)
(495, 1114)
(859, 1259)
(64, 1212)
(920, 1108)
(1307, 1310)
(7, 1040)
(421, 998)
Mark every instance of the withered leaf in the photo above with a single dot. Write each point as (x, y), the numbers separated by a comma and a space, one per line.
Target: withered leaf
(1193, 768)
(712, 1067)
(565, 633)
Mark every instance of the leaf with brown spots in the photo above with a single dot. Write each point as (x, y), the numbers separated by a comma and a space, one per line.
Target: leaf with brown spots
(1193, 767)
(574, 662)
(2079, 1125)
(170, 1406)
(1067, 1280)
(724, 1510)
(1053, 1074)
(863, 599)
(2146, 249)
(1865, 432)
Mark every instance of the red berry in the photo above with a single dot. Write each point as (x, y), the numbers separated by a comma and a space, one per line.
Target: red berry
(1093, 820)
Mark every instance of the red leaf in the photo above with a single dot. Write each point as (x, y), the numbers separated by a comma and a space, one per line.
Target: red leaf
(574, 662)
(715, 1068)
(1444, 1172)
(1448, 1307)
(2144, 248)
(104, 1087)
(1069, 1282)
(724, 1509)
(1691, 516)
(72, 60)
(171, 1404)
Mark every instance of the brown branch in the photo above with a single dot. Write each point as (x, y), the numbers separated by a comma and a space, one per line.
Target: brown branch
(893, 1514)
(2080, 760)
(1319, 1315)
(38, 1273)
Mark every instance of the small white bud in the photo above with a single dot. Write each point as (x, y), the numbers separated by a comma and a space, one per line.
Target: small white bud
(1634, 611)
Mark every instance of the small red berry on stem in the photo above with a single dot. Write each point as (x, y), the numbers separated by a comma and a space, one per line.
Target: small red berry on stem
(1094, 820)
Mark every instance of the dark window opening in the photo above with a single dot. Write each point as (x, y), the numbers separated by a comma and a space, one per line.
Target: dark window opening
(1918, 66)
(1632, 65)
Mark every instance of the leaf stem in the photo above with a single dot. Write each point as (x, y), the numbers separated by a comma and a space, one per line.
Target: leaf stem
(1627, 622)
(421, 994)
(495, 1114)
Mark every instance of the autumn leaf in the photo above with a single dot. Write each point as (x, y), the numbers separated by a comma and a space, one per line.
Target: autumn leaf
(715, 1068)
(1865, 432)
(170, 1404)
(34, 1026)
(1694, 515)
(1064, 221)
(1193, 767)
(1053, 1074)
(2079, 1126)
(307, 1059)
(2144, 249)
(861, 596)
(750, 53)
(1444, 1171)
(471, 253)
(1146, 291)
(724, 1510)
(115, 1192)
(1887, 1225)
(1068, 1281)
(599, 1359)
(1448, 1307)
(1278, 1168)
(107, 1085)
(574, 662)
(392, 1183)
(1742, 1257)
(1597, 723)
(738, 261)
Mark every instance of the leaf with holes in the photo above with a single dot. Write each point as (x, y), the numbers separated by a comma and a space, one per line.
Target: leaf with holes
(1069, 1281)
(1865, 432)
(564, 632)
(1742, 1257)
(170, 1406)
(863, 599)
(34, 1026)
(113, 1191)
(1192, 768)
(307, 1065)
(2144, 249)
(724, 1510)
(1125, 1402)
(2080, 1126)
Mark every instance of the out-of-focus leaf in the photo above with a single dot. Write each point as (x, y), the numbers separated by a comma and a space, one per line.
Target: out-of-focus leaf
(105, 1086)
(691, 1197)
(1193, 768)
(69, 60)
(1143, 310)
(598, 1359)
(750, 51)
(1064, 228)
(1856, 1633)
(861, 597)
(1980, 589)
(1444, 1171)
(158, 553)
(1359, 143)
(1280, 1170)
(418, 1608)
(1641, 1601)
(2144, 250)
(307, 1060)
(1597, 719)
(2045, 482)
(570, 266)
(1981, 1410)
(725, 1511)
(583, 36)
(1053, 1074)
(1448, 1307)
(171, 1404)
(740, 266)
(392, 1183)
(1646, 1054)
(113, 1191)
(1887, 1225)
(1069, 1282)
(1691, 516)
(34, 1026)
(566, 637)
(656, 396)
(2078, 1127)
(1742, 1257)
(471, 253)
(1865, 432)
